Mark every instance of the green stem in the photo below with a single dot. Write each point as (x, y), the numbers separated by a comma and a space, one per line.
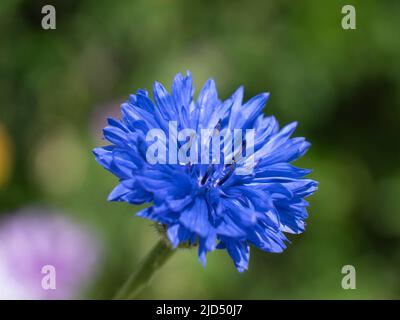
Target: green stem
(141, 277)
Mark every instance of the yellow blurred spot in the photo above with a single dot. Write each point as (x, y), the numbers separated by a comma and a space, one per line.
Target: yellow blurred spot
(6, 156)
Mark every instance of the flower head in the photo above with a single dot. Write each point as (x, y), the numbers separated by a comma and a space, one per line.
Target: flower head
(199, 198)
(34, 243)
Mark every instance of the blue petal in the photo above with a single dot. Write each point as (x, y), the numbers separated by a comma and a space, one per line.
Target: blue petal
(172, 233)
(164, 102)
(104, 156)
(251, 110)
(240, 253)
(195, 218)
(182, 91)
(206, 245)
(267, 239)
(208, 102)
(236, 104)
(115, 135)
(119, 191)
(177, 234)
(281, 169)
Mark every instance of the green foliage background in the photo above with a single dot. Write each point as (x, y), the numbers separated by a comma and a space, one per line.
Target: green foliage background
(58, 86)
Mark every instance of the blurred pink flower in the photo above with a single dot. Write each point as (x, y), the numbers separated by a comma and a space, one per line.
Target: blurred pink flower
(32, 239)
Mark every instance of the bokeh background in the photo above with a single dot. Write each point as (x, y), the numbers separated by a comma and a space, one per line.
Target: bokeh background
(58, 86)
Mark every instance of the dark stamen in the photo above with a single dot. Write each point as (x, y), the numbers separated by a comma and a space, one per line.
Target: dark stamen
(207, 174)
(218, 125)
(239, 153)
(231, 168)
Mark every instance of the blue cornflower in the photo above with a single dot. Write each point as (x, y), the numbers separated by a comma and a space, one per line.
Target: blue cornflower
(209, 204)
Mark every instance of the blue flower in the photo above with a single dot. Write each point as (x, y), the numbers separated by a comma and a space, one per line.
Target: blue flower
(209, 204)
